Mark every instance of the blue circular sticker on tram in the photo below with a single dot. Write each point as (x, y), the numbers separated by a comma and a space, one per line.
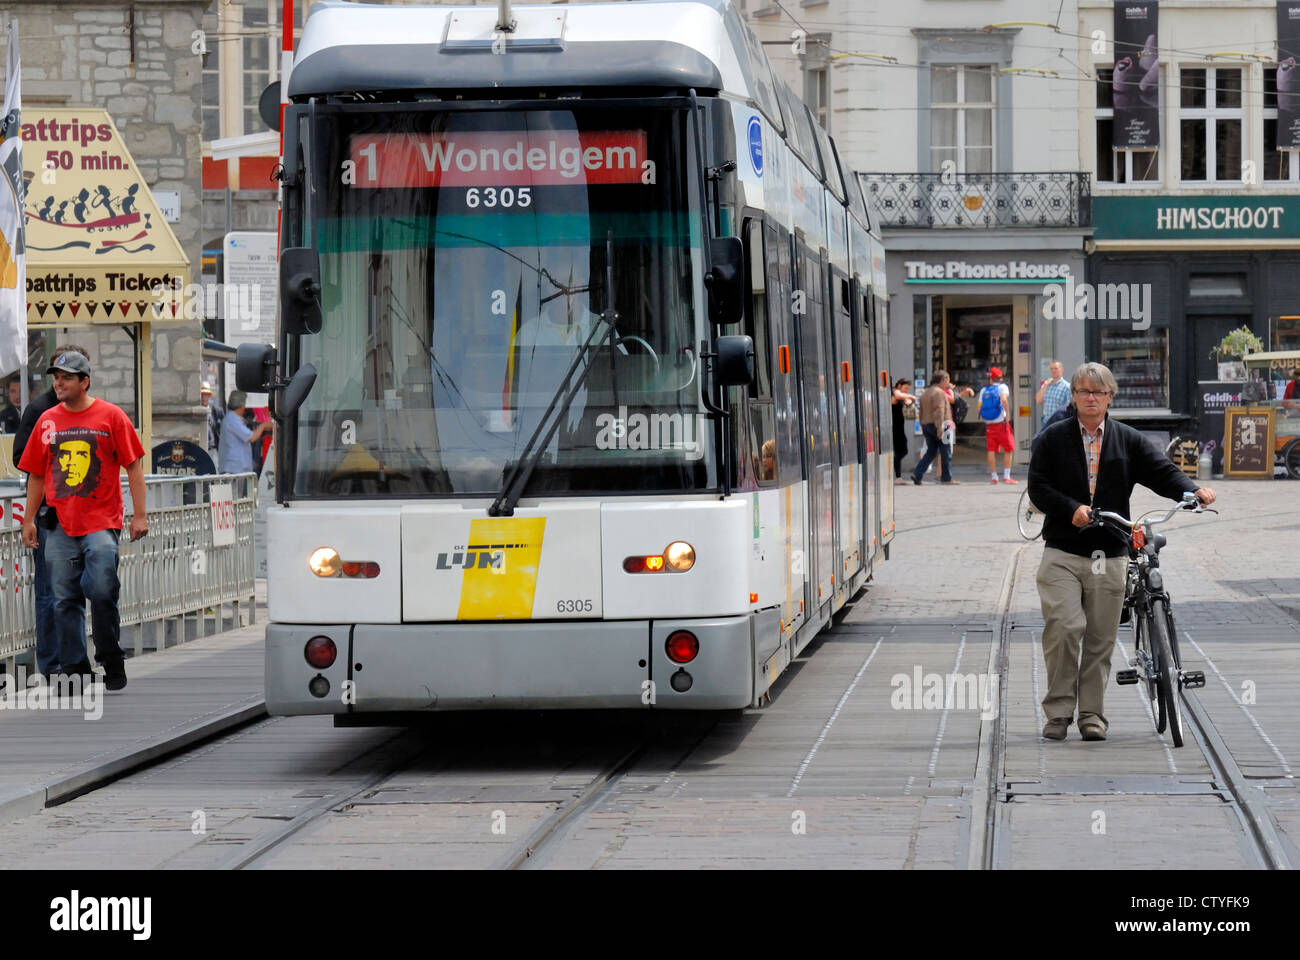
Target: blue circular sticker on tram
(756, 144)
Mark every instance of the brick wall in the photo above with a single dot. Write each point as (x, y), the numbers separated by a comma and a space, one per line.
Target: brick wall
(85, 53)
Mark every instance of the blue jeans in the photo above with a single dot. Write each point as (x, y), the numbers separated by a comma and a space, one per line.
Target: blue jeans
(47, 641)
(933, 446)
(84, 568)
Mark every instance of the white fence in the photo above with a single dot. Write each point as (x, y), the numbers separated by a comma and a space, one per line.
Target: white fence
(177, 573)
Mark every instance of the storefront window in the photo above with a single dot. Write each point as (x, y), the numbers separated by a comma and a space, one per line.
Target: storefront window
(1140, 362)
(1286, 333)
(979, 340)
(920, 327)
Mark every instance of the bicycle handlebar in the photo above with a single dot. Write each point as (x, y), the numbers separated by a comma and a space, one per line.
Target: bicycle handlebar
(1189, 502)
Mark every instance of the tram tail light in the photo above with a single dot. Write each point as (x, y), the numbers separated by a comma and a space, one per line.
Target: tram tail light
(681, 646)
(321, 652)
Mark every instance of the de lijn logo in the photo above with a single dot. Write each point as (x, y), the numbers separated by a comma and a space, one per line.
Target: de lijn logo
(756, 144)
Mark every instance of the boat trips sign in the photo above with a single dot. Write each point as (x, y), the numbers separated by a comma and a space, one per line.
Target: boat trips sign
(98, 248)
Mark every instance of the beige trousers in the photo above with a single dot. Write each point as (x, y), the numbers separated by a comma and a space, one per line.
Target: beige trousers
(1082, 600)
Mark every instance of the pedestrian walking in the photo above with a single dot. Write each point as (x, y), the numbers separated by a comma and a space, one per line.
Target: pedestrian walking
(936, 415)
(237, 438)
(1053, 393)
(1080, 464)
(82, 444)
(995, 411)
(902, 402)
(47, 644)
(214, 417)
(12, 415)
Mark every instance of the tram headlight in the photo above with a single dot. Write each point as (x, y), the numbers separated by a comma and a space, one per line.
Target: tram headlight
(679, 556)
(325, 562)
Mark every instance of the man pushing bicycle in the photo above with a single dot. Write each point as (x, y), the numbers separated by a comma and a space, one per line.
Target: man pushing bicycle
(1080, 463)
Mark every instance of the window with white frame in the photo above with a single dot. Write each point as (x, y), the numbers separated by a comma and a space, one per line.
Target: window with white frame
(1278, 164)
(816, 90)
(1119, 166)
(961, 117)
(212, 75)
(259, 49)
(1209, 121)
(243, 43)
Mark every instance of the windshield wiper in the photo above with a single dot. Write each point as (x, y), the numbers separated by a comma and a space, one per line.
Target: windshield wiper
(516, 481)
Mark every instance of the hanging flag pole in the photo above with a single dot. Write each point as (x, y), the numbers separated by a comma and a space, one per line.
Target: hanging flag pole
(286, 65)
(13, 217)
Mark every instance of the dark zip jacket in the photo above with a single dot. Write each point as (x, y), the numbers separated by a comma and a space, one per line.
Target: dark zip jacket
(1058, 482)
(36, 406)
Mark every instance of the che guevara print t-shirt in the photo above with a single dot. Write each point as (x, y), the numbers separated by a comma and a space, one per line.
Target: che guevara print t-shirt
(81, 456)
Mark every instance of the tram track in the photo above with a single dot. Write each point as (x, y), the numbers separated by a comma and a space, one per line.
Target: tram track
(408, 746)
(990, 841)
(1257, 821)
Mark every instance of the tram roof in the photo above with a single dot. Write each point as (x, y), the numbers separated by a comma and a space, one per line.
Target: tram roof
(704, 44)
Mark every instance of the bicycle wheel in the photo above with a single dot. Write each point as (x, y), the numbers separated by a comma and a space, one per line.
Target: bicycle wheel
(1028, 518)
(1167, 679)
(1147, 666)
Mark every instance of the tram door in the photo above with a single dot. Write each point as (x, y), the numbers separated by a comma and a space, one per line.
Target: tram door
(864, 380)
(849, 482)
(818, 415)
(789, 432)
(885, 434)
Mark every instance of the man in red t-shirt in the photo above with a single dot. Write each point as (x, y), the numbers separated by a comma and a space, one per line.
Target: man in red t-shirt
(73, 461)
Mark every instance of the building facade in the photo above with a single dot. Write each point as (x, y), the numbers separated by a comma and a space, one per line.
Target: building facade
(960, 112)
(1204, 227)
(137, 61)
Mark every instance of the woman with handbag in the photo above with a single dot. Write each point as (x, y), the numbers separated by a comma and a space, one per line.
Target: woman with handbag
(903, 408)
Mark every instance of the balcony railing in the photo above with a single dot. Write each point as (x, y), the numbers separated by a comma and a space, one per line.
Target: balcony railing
(981, 200)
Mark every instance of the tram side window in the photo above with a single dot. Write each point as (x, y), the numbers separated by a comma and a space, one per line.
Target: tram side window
(756, 316)
(762, 413)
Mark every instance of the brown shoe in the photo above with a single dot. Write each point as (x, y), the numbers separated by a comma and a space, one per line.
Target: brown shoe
(1092, 730)
(1056, 729)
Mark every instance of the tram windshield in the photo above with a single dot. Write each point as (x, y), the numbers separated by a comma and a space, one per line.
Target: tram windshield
(465, 260)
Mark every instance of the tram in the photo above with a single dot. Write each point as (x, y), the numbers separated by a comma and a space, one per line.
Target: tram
(580, 373)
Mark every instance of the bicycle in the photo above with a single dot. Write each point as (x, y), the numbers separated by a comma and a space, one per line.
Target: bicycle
(1156, 662)
(1028, 517)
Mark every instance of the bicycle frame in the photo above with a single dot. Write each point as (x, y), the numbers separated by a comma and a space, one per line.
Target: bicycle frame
(1143, 590)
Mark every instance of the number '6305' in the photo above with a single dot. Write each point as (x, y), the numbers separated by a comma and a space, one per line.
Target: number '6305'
(573, 606)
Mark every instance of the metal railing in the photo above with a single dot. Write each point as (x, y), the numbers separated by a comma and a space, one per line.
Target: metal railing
(980, 200)
(174, 572)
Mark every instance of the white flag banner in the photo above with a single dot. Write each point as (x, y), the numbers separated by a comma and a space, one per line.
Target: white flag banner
(13, 259)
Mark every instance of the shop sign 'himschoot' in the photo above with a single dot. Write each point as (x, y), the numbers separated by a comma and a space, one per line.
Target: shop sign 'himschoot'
(1195, 218)
(98, 249)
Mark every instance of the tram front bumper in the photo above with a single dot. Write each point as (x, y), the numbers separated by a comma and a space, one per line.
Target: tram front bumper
(530, 665)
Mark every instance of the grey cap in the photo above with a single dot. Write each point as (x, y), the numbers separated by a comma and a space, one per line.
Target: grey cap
(70, 362)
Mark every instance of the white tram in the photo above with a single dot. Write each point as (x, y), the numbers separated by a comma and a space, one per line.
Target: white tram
(598, 331)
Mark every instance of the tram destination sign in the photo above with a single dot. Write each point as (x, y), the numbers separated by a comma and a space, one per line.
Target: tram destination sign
(501, 158)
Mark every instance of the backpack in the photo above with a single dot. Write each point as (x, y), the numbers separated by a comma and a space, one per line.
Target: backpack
(959, 407)
(990, 403)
